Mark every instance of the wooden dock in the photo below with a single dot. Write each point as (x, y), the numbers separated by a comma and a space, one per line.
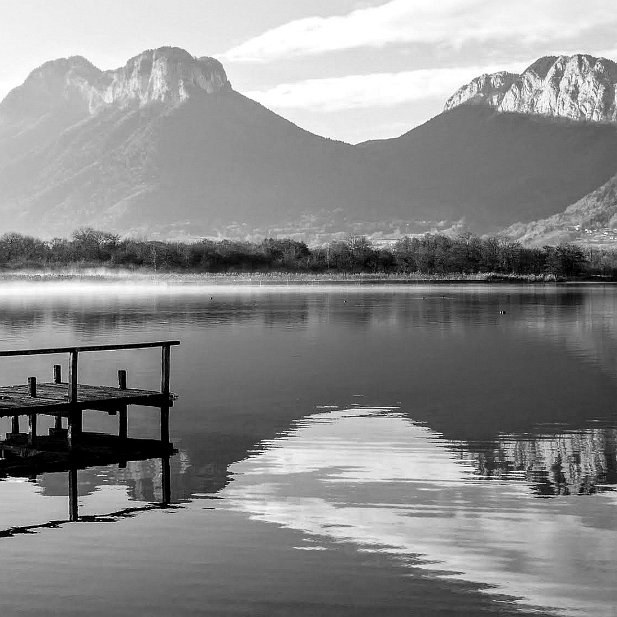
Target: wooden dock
(69, 399)
(68, 449)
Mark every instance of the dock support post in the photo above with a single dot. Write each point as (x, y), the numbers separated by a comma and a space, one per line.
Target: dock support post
(73, 496)
(123, 425)
(73, 377)
(165, 368)
(165, 371)
(32, 428)
(32, 416)
(75, 426)
(165, 424)
(58, 379)
(15, 425)
(75, 415)
(123, 429)
(166, 481)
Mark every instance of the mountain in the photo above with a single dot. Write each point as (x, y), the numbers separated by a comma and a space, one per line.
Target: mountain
(166, 75)
(578, 87)
(591, 221)
(161, 143)
(164, 145)
(492, 168)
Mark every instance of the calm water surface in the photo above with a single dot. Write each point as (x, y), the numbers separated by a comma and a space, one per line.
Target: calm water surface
(341, 451)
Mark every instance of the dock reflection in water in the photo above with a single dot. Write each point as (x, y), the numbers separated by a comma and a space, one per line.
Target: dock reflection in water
(63, 478)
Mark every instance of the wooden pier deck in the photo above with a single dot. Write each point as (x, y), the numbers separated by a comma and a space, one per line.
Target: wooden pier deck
(52, 399)
(68, 399)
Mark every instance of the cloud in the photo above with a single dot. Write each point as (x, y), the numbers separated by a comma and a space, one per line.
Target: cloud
(611, 54)
(373, 89)
(445, 22)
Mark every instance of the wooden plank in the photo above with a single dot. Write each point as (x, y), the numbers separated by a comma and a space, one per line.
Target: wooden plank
(44, 391)
(28, 402)
(63, 409)
(93, 392)
(58, 350)
(52, 398)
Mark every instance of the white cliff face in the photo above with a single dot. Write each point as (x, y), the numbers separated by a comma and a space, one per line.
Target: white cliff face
(577, 87)
(167, 75)
(483, 90)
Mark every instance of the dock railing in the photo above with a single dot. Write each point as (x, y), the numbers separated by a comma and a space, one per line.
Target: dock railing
(74, 356)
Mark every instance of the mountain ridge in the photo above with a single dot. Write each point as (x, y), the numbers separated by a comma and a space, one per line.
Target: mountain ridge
(591, 220)
(165, 145)
(577, 87)
(166, 75)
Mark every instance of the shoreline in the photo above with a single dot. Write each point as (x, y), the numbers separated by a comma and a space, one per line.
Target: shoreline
(105, 275)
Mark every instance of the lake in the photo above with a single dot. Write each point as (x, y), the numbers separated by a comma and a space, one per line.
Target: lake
(348, 450)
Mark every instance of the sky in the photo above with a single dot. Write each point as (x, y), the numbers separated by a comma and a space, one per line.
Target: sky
(346, 69)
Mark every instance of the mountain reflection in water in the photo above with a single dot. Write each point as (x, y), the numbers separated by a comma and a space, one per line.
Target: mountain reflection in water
(428, 494)
(582, 462)
(375, 479)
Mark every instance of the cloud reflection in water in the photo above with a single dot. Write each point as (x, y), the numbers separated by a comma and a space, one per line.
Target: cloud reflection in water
(377, 480)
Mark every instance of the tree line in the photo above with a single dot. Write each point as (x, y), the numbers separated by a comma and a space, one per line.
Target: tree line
(431, 254)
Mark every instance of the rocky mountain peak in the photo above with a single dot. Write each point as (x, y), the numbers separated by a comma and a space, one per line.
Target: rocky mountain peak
(542, 66)
(487, 89)
(61, 83)
(578, 87)
(168, 75)
(164, 75)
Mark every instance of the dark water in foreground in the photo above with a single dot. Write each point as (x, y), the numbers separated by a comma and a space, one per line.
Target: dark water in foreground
(379, 451)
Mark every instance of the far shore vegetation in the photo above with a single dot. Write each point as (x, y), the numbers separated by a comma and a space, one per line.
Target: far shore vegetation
(430, 257)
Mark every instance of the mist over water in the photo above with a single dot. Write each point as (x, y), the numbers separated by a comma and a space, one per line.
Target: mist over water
(341, 451)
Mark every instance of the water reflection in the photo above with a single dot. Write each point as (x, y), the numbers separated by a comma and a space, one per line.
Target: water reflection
(483, 412)
(571, 463)
(387, 485)
(377, 480)
(69, 484)
(351, 307)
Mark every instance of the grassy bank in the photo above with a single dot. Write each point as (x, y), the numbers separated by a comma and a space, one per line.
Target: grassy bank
(263, 278)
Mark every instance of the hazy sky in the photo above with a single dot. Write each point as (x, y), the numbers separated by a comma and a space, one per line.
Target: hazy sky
(347, 69)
